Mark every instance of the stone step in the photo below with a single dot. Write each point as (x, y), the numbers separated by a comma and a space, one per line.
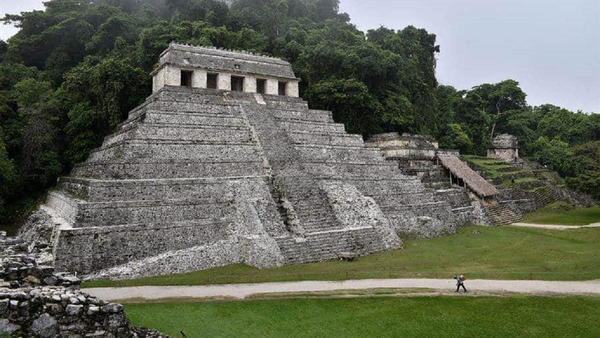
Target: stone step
(178, 126)
(313, 127)
(317, 226)
(210, 133)
(181, 107)
(502, 215)
(423, 207)
(174, 150)
(168, 189)
(330, 245)
(338, 154)
(285, 102)
(149, 169)
(325, 139)
(384, 187)
(310, 115)
(349, 169)
(456, 197)
(102, 214)
(127, 125)
(93, 249)
(404, 199)
(116, 213)
(221, 120)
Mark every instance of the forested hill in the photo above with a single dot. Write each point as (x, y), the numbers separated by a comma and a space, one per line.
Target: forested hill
(74, 70)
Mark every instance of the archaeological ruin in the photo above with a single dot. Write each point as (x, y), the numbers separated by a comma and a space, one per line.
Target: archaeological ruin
(442, 172)
(225, 164)
(504, 147)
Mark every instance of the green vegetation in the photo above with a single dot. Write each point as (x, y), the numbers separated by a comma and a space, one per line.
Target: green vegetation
(519, 181)
(478, 252)
(515, 316)
(505, 174)
(562, 213)
(74, 70)
(493, 168)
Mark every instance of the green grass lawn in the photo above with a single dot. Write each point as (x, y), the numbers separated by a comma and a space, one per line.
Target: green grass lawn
(444, 317)
(562, 214)
(478, 252)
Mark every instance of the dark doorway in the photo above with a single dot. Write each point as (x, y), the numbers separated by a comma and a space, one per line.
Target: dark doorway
(237, 83)
(211, 81)
(261, 86)
(186, 78)
(282, 88)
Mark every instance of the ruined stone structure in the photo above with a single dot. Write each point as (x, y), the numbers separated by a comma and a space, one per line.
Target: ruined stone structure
(504, 147)
(442, 171)
(37, 302)
(224, 164)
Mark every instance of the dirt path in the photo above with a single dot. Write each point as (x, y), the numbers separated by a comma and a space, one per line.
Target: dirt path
(242, 291)
(556, 227)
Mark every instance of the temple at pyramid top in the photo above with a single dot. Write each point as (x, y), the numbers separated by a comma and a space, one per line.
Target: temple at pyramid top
(212, 68)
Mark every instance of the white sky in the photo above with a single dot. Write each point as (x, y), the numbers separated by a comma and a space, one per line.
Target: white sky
(552, 47)
(15, 7)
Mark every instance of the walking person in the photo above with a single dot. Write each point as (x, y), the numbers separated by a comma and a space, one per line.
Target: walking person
(460, 281)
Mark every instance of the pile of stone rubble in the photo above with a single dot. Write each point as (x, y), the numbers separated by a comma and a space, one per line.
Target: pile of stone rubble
(37, 302)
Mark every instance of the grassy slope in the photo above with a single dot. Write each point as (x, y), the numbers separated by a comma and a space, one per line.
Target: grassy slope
(478, 252)
(492, 167)
(560, 213)
(516, 316)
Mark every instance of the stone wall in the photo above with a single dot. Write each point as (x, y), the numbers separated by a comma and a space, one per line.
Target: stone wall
(508, 155)
(504, 147)
(37, 302)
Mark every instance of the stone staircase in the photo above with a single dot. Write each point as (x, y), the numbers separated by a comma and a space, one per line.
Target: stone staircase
(499, 214)
(543, 196)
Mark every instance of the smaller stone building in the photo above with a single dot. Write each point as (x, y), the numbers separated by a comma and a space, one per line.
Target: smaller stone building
(212, 68)
(504, 147)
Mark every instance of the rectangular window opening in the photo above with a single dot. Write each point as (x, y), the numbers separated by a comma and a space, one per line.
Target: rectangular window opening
(282, 88)
(237, 83)
(186, 78)
(261, 86)
(211, 81)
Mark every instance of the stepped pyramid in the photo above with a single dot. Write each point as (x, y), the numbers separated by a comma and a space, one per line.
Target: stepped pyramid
(225, 164)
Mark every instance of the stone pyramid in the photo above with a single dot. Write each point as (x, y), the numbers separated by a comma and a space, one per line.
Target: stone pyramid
(224, 164)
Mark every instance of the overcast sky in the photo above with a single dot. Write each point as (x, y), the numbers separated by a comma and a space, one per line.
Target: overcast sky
(552, 47)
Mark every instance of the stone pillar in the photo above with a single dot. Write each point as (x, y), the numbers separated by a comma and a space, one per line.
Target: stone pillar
(158, 80)
(293, 90)
(172, 76)
(250, 84)
(224, 81)
(272, 87)
(199, 79)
